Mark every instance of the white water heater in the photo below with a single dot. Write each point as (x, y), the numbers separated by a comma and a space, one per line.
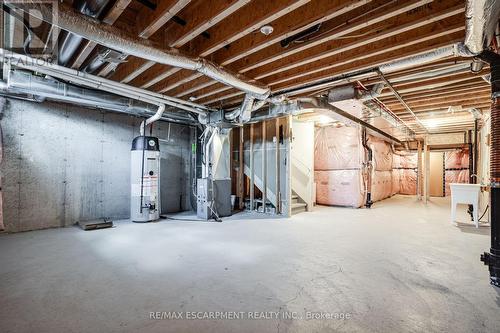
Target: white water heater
(145, 179)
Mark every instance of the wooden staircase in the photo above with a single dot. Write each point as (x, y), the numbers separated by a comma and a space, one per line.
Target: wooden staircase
(297, 206)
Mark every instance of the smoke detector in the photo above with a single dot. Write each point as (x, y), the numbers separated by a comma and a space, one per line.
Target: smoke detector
(266, 29)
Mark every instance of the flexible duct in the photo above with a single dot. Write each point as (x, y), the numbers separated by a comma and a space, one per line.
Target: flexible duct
(244, 111)
(481, 19)
(421, 59)
(116, 39)
(455, 50)
(351, 92)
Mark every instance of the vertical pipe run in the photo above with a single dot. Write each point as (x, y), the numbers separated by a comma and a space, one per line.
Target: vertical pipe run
(278, 166)
(252, 170)
(472, 174)
(369, 160)
(492, 259)
(241, 172)
(143, 129)
(475, 149)
(420, 181)
(264, 166)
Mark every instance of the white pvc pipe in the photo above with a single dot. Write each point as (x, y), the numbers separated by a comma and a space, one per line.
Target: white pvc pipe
(153, 118)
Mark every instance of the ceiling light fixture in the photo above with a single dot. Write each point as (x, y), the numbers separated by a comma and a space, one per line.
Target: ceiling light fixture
(267, 29)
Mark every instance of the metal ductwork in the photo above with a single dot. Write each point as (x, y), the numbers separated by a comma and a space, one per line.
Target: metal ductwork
(321, 105)
(244, 112)
(456, 50)
(96, 82)
(70, 43)
(351, 92)
(91, 29)
(103, 57)
(26, 83)
(476, 66)
(481, 20)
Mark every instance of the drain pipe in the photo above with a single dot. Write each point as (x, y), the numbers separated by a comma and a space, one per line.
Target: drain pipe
(474, 153)
(152, 119)
(70, 20)
(492, 259)
(369, 166)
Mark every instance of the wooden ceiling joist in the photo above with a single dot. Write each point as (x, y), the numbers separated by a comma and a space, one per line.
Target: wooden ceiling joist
(328, 33)
(293, 67)
(235, 26)
(149, 22)
(313, 43)
(365, 63)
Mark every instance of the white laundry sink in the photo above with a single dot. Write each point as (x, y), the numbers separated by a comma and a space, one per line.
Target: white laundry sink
(465, 194)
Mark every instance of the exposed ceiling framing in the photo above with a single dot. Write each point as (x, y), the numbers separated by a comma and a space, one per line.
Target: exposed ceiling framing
(324, 38)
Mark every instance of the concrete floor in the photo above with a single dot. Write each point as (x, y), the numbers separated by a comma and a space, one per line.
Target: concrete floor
(399, 267)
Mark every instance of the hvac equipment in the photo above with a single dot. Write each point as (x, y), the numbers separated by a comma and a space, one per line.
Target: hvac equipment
(213, 198)
(145, 179)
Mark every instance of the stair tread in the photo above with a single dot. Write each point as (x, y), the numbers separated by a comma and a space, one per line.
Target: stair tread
(298, 204)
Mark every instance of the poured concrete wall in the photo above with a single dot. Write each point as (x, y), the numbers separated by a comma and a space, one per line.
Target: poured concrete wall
(63, 163)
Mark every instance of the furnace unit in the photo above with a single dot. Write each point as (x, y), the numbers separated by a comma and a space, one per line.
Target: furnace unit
(145, 179)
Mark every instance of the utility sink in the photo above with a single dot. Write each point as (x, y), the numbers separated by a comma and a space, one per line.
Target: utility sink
(465, 194)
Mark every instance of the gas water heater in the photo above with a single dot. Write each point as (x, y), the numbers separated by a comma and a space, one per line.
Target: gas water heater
(145, 179)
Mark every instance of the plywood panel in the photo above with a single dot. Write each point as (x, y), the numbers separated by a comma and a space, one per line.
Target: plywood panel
(436, 174)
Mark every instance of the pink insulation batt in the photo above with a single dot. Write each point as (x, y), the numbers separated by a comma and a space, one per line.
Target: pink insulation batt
(408, 161)
(382, 154)
(381, 185)
(457, 159)
(340, 188)
(455, 176)
(408, 183)
(338, 148)
(396, 180)
(396, 161)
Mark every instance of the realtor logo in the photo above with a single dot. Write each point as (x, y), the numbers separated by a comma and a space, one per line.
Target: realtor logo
(26, 28)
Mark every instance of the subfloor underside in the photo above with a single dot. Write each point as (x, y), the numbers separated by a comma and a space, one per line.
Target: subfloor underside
(398, 267)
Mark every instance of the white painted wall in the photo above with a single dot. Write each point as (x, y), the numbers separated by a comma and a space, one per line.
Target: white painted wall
(302, 161)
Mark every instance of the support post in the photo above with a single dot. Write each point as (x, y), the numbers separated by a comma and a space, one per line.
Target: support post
(241, 172)
(264, 166)
(419, 171)
(252, 170)
(426, 170)
(278, 197)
